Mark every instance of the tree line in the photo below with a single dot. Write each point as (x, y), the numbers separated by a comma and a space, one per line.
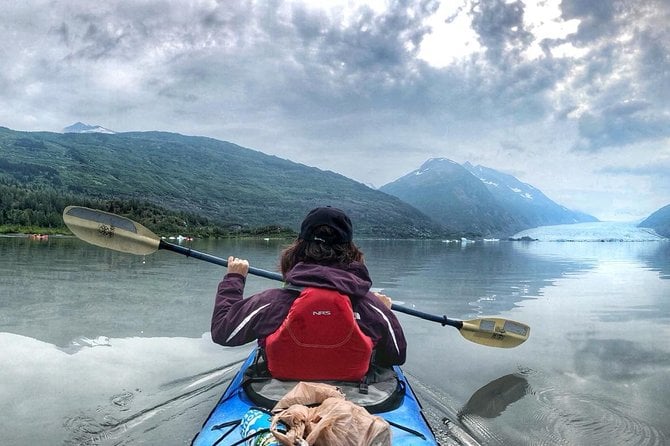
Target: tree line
(39, 209)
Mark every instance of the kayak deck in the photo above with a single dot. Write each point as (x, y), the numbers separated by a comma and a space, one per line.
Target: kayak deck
(408, 424)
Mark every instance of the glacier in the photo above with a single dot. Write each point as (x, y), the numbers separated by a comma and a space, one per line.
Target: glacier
(602, 231)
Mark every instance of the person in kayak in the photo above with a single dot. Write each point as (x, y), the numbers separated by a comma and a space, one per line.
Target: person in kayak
(325, 324)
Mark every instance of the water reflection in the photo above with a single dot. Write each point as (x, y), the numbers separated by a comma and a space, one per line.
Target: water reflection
(491, 400)
(132, 417)
(51, 283)
(595, 370)
(571, 412)
(619, 359)
(62, 290)
(657, 258)
(652, 254)
(479, 279)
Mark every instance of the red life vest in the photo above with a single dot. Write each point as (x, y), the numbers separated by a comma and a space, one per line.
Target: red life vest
(319, 340)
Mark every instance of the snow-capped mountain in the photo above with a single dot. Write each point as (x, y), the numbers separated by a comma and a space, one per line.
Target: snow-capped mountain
(449, 194)
(478, 200)
(528, 203)
(80, 127)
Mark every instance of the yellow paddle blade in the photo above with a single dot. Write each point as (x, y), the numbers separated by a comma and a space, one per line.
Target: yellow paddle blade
(110, 231)
(495, 332)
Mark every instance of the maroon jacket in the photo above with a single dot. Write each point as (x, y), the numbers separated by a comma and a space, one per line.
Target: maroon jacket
(237, 321)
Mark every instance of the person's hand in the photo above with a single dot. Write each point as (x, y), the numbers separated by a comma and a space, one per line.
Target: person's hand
(384, 298)
(238, 266)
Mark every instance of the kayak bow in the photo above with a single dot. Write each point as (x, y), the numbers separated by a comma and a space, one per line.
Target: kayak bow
(403, 411)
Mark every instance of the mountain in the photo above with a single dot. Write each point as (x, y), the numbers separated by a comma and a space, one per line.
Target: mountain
(478, 199)
(525, 201)
(659, 221)
(449, 194)
(80, 127)
(231, 185)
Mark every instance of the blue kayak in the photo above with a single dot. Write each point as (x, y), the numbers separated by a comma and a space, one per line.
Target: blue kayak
(391, 399)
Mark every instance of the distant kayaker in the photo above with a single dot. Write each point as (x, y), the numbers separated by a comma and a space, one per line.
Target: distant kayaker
(325, 323)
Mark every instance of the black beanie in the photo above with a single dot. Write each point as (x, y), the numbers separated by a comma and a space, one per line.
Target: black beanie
(334, 218)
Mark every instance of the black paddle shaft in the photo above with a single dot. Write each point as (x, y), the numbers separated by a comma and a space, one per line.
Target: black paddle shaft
(188, 252)
(444, 320)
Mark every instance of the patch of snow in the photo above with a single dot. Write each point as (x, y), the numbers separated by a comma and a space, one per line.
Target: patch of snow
(442, 160)
(525, 195)
(80, 127)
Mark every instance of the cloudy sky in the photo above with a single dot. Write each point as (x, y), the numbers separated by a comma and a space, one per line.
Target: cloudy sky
(570, 96)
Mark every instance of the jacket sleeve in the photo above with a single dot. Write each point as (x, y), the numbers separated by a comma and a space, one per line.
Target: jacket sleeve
(237, 321)
(231, 318)
(385, 330)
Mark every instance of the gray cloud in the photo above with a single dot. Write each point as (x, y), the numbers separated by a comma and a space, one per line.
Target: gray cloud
(626, 72)
(501, 29)
(659, 171)
(622, 124)
(345, 91)
(598, 19)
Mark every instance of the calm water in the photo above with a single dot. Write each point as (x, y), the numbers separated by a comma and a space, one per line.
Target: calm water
(99, 347)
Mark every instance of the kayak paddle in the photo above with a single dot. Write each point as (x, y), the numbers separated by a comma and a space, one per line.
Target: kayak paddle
(112, 231)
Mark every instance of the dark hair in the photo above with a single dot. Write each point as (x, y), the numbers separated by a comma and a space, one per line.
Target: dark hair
(318, 252)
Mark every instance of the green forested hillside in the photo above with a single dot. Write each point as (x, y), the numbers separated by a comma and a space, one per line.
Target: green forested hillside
(39, 210)
(203, 182)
